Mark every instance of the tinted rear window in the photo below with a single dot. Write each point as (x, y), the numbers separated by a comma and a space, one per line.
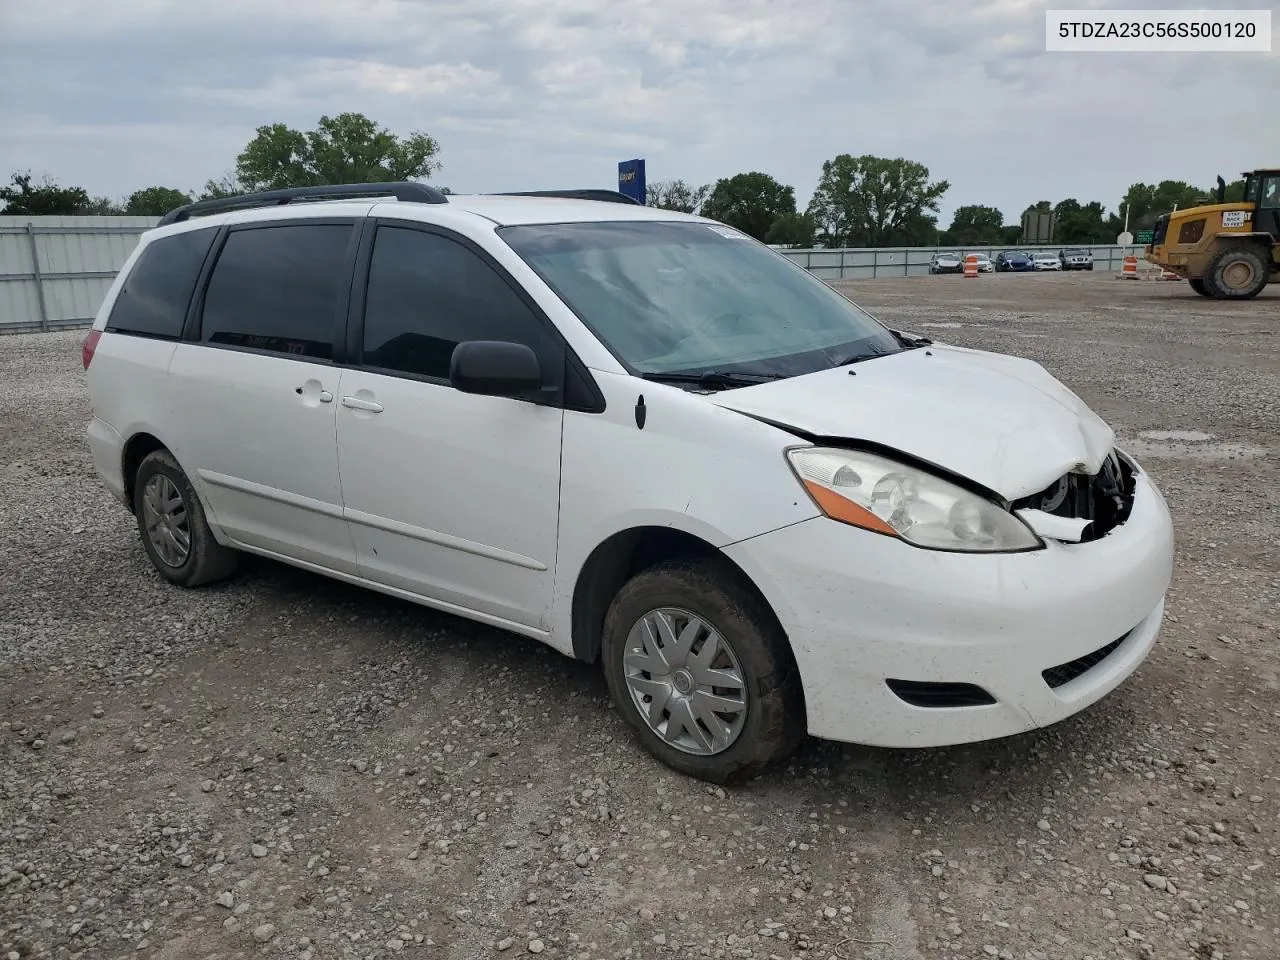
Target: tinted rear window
(157, 291)
(276, 288)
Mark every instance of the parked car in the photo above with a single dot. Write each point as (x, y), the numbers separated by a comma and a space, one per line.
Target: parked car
(946, 263)
(636, 436)
(984, 263)
(1010, 260)
(1043, 260)
(1076, 258)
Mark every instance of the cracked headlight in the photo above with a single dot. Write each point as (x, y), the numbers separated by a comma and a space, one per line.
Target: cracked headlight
(891, 498)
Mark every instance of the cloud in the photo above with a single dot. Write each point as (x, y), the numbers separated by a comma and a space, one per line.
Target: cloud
(527, 94)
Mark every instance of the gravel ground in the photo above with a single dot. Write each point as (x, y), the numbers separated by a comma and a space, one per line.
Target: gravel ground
(285, 766)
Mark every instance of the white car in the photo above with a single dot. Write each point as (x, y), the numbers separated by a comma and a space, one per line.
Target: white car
(640, 437)
(1046, 261)
(984, 263)
(946, 263)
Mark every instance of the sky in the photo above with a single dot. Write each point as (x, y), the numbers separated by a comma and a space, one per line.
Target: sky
(541, 94)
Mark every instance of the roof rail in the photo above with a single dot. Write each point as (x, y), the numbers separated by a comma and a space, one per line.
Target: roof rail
(402, 190)
(604, 196)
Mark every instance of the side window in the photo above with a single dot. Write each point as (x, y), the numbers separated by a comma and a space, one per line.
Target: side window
(1270, 194)
(276, 288)
(153, 301)
(427, 293)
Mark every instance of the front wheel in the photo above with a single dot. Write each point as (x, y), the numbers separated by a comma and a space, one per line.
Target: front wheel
(701, 671)
(1198, 286)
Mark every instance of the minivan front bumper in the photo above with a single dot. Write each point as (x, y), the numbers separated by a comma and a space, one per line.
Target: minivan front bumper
(1043, 634)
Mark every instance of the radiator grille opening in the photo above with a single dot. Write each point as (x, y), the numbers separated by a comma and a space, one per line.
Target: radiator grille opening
(1105, 498)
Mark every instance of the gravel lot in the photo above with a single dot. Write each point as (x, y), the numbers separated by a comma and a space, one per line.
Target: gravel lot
(286, 766)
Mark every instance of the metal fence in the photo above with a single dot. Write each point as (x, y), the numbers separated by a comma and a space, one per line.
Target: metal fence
(55, 271)
(873, 263)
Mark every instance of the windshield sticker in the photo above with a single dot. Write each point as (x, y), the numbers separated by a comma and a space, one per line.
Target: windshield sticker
(727, 232)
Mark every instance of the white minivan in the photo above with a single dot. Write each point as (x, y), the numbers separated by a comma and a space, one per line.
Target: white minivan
(640, 437)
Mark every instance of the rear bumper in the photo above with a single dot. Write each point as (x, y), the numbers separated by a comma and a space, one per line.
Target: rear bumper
(107, 447)
(861, 609)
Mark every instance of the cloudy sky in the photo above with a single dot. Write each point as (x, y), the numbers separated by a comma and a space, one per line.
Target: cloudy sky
(530, 94)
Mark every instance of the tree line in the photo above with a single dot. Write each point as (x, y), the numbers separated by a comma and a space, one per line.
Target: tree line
(859, 201)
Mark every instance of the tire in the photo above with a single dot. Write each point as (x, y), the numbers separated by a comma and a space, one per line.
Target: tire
(205, 560)
(1198, 286)
(1237, 273)
(774, 722)
(1089, 267)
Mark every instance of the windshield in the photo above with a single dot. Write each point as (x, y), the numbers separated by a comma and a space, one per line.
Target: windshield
(687, 297)
(1251, 188)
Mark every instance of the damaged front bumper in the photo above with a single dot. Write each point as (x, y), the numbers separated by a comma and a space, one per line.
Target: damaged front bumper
(1028, 638)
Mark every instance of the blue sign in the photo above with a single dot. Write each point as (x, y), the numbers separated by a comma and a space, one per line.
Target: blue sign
(631, 179)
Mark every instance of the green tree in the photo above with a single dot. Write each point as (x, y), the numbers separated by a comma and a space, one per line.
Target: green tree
(154, 201)
(1080, 223)
(1147, 201)
(22, 198)
(750, 202)
(224, 186)
(975, 224)
(875, 201)
(348, 148)
(791, 230)
(675, 195)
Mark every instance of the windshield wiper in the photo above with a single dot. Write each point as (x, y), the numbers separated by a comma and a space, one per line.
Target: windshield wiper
(859, 357)
(715, 379)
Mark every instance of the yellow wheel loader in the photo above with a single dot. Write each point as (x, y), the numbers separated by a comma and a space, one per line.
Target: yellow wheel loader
(1229, 251)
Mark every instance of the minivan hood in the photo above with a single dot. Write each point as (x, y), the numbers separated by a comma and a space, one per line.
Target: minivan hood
(1001, 421)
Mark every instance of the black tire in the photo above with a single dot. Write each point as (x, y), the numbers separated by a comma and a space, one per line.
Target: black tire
(1089, 267)
(206, 560)
(1216, 277)
(1198, 286)
(775, 722)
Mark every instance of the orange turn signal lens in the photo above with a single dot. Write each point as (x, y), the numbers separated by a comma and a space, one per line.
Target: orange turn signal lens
(839, 508)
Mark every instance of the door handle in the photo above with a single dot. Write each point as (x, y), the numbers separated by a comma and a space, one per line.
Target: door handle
(359, 403)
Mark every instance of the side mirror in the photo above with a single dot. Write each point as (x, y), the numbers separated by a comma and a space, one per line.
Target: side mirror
(494, 368)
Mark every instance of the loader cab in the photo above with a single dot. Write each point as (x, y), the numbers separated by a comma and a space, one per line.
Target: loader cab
(1262, 189)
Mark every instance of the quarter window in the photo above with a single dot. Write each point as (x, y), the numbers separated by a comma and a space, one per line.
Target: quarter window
(277, 288)
(427, 293)
(153, 301)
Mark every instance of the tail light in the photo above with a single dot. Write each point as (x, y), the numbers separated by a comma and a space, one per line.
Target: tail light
(90, 345)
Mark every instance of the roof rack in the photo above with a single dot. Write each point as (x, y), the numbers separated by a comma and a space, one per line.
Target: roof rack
(402, 190)
(604, 196)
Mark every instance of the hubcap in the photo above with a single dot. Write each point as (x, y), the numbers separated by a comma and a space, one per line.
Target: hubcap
(164, 514)
(686, 681)
(1238, 275)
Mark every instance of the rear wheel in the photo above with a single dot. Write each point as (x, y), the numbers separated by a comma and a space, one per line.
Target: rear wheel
(175, 533)
(700, 670)
(1237, 273)
(1197, 284)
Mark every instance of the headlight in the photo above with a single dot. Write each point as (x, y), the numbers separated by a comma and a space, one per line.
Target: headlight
(891, 498)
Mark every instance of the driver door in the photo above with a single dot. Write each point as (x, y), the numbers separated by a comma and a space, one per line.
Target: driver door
(1269, 207)
(451, 496)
